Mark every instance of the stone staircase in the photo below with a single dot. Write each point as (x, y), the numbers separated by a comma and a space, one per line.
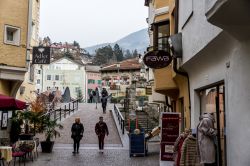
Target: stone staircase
(144, 121)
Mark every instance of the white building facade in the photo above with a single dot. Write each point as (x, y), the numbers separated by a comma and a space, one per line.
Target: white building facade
(63, 73)
(217, 60)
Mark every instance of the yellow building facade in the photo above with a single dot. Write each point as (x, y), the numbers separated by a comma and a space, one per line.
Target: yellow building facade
(27, 91)
(14, 21)
(162, 24)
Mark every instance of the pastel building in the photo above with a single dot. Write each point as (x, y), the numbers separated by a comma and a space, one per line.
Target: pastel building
(93, 78)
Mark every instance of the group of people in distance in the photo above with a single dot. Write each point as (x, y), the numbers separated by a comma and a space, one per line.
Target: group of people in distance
(101, 128)
(94, 97)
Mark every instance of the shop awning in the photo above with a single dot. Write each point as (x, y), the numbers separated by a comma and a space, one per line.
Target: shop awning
(10, 103)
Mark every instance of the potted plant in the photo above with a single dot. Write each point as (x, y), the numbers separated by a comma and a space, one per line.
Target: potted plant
(50, 130)
(31, 119)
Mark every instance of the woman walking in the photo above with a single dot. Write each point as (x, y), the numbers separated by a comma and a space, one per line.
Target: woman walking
(77, 130)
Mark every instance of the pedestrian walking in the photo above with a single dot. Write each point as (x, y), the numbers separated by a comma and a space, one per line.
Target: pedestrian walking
(77, 130)
(104, 92)
(104, 101)
(91, 96)
(101, 129)
(96, 95)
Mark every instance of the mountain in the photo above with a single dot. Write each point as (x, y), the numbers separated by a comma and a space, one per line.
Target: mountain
(138, 40)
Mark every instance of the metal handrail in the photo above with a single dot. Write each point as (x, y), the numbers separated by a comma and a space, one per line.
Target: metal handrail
(120, 118)
(64, 109)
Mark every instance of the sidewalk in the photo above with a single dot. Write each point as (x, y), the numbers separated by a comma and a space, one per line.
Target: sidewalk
(91, 157)
(89, 117)
(116, 153)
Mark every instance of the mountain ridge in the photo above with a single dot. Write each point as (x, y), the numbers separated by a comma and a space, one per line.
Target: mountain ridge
(138, 40)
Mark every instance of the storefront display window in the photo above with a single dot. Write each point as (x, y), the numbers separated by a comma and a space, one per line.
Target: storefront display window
(212, 101)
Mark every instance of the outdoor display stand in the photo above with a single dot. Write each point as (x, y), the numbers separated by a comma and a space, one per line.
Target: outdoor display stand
(169, 133)
(137, 144)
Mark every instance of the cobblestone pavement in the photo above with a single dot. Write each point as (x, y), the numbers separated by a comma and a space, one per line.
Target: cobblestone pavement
(89, 117)
(92, 157)
(114, 153)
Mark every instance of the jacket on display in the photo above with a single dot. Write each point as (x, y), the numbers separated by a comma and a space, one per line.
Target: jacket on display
(206, 135)
(189, 154)
(177, 148)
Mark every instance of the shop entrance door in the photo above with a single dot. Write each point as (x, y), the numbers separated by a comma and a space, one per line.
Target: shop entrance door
(213, 101)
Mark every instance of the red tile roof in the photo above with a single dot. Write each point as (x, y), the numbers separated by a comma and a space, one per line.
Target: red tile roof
(129, 64)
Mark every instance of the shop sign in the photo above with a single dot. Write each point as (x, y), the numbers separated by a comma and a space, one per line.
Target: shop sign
(157, 59)
(170, 131)
(148, 90)
(41, 55)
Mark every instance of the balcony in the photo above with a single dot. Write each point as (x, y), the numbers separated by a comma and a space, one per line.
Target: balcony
(164, 83)
(230, 15)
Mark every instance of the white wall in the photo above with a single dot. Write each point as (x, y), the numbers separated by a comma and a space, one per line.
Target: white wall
(210, 66)
(197, 32)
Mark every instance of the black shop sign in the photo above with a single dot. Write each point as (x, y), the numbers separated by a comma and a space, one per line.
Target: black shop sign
(41, 55)
(157, 59)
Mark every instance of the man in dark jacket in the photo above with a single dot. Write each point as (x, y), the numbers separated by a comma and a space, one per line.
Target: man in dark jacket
(101, 130)
(77, 130)
(104, 101)
(104, 92)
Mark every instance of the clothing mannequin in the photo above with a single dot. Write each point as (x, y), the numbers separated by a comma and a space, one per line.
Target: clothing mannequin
(205, 136)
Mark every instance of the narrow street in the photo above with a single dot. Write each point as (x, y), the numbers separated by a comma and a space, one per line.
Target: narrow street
(114, 154)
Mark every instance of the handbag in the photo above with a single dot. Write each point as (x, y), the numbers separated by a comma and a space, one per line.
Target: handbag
(73, 134)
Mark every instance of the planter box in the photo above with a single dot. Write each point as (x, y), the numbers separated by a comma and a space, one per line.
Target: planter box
(47, 146)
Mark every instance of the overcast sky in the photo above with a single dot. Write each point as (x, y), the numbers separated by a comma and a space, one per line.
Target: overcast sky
(91, 22)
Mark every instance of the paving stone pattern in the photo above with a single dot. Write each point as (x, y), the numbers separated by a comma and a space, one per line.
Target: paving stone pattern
(89, 117)
(92, 157)
(114, 153)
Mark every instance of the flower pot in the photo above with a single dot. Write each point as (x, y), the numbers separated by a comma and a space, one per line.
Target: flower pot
(47, 146)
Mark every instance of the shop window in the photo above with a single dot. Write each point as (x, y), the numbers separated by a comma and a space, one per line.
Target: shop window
(161, 35)
(99, 82)
(212, 101)
(12, 35)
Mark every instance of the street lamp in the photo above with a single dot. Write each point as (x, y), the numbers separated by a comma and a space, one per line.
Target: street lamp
(118, 87)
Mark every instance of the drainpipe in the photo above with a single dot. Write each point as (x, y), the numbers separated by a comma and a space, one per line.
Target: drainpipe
(185, 74)
(29, 29)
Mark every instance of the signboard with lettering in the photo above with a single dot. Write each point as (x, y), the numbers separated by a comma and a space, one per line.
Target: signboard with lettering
(41, 55)
(157, 59)
(149, 90)
(169, 133)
